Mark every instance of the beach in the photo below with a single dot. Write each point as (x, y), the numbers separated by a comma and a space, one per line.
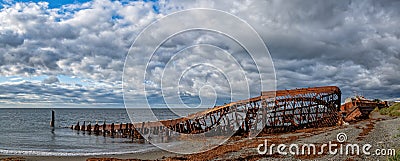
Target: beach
(380, 131)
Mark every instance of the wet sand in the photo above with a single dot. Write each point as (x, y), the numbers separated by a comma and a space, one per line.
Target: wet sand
(151, 155)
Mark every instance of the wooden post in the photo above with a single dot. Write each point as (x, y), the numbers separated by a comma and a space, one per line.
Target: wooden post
(83, 126)
(126, 128)
(104, 128)
(142, 129)
(112, 128)
(52, 118)
(77, 127)
(89, 128)
(96, 128)
(130, 130)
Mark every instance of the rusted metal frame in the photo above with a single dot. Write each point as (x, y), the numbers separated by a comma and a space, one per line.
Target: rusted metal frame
(323, 103)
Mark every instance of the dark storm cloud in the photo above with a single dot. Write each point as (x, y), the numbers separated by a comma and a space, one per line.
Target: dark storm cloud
(351, 44)
(11, 38)
(51, 80)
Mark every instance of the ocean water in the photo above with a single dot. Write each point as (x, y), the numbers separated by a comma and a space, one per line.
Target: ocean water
(28, 132)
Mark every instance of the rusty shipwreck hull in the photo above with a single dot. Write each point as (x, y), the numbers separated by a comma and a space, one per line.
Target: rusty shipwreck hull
(358, 108)
(303, 108)
(271, 112)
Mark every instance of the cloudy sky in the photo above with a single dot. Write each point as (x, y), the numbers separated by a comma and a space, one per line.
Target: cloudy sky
(73, 53)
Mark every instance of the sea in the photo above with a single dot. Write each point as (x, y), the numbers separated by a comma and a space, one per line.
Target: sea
(27, 131)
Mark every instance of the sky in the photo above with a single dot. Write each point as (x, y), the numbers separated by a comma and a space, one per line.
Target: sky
(72, 53)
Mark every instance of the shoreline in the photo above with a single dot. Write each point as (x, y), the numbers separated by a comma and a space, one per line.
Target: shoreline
(377, 130)
(67, 154)
(147, 155)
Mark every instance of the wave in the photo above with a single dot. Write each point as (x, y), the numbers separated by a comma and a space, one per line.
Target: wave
(41, 153)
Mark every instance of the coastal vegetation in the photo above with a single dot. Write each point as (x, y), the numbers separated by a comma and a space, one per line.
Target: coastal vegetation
(396, 157)
(393, 110)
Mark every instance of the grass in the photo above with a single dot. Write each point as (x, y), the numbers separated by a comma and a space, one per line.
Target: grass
(395, 158)
(391, 111)
(398, 135)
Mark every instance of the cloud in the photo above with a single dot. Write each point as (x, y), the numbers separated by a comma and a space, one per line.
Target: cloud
(351, 44)
(26, 92)
(51, 80)
(71, 40)
(10, 38)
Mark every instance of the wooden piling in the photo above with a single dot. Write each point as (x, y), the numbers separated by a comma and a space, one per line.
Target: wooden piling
(52, 118)
(104, 128)
(96, 129)
(83, 126)
(89, 128)
(77, 127)
(112, 128)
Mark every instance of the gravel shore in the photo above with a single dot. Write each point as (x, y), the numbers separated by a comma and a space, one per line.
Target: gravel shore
(381, 132)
